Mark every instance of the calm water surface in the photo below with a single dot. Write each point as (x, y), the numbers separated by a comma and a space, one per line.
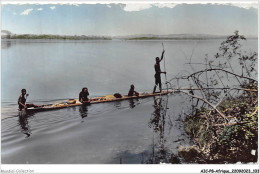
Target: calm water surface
(134, 131)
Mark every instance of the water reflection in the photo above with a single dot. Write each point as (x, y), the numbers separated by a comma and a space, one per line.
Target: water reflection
(118, 104)
(83, 109)
(127, 157)
(158, 122)
(6, 44)
(23, 122)
(156, 115)
(160, 153)
(133, 103)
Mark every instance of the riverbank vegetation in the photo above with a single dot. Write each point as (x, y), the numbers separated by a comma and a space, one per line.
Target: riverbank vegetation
(231, 141)
(170, 38)
(223, 124)
(65, 37)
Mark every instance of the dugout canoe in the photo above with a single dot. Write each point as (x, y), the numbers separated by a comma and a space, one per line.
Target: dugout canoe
(103, 99)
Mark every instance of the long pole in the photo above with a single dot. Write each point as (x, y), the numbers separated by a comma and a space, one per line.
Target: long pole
(165, 69)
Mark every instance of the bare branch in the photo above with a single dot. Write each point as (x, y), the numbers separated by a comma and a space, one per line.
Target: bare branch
(225, 124)
(206, 101)
(218, 69)
(244, 89)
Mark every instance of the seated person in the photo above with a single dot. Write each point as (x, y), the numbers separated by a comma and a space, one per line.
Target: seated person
(22, 100)
(132, 91)
(83, 95)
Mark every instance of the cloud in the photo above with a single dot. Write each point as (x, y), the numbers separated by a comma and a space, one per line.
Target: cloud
(75, 5)
(40, 9)
(139, 7)
(53, 7)
(245, 5)
(136, 7)
(165, 5)
(14, 13)
(27, 11)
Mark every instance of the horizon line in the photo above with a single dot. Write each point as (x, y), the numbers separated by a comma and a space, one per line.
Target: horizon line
(124, 35)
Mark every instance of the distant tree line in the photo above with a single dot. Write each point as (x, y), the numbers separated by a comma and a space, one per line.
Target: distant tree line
(45, 36)
(170, 38)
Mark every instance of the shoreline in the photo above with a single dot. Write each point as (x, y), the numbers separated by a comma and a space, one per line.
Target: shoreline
(87, 40)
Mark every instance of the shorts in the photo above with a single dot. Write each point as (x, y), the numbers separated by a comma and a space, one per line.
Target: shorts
(157, 79)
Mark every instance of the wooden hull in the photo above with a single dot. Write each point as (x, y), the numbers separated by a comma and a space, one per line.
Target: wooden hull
(95, 100)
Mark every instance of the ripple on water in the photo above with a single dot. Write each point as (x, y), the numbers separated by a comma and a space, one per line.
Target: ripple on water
(87, 132)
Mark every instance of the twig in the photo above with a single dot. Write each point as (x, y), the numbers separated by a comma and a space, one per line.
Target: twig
(213, 69)
(220, 101)
(218, 69)
(245, 89)
(217, 75)
(254, 112)
(246, 67)
(211, 105)
(195, 81)
(225, 124)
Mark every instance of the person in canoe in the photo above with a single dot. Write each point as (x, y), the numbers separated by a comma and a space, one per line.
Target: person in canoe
(22, 100)
(158, 72)
(83, 95)
(132, 91)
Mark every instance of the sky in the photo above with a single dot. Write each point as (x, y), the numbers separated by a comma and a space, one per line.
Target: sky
(114, 19)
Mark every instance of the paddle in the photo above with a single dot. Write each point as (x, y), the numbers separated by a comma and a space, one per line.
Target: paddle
(165, 69)
(33, 105)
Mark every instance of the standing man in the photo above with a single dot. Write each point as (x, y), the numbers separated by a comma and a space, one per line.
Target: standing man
(158, 73)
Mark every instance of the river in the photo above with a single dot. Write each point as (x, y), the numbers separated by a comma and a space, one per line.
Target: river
(139, 131)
